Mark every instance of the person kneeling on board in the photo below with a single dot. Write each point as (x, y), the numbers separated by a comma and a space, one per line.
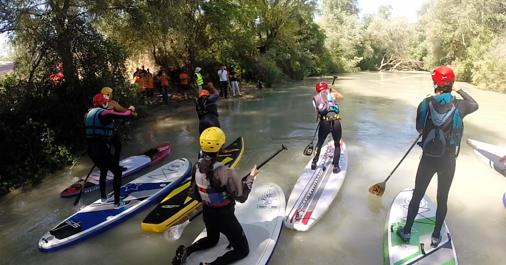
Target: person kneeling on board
(218, 187)
(327, 108)
(98, 124)
(440, 121)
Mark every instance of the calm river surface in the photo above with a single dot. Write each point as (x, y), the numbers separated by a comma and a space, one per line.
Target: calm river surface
(378, 126)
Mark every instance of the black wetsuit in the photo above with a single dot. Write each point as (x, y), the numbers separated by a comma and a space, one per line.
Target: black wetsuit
(332, 126)
(221, 219)
(444, 166)
(99, 150)
(207, 111)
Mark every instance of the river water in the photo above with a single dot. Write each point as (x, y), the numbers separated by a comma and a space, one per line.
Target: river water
(378, 126)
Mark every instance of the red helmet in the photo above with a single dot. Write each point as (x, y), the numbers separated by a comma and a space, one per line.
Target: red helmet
(321, 86)
(100, 100)
(443, 76)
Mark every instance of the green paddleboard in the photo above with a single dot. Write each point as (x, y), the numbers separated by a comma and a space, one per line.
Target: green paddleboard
(418, 250)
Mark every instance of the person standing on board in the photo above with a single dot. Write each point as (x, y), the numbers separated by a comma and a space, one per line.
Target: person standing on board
(206, 107)
(440, 121)
(99, 131)
(218, 187)
(327, 109)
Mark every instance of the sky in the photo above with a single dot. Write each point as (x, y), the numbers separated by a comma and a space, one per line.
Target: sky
(400, 8)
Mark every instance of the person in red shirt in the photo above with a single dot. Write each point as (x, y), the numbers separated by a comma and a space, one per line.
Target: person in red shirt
(184, 81)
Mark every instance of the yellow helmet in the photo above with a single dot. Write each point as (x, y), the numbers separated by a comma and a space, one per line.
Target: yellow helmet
(212, 139)
(106, 91)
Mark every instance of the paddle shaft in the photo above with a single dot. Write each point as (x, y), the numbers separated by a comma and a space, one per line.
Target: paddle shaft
(402, 159)
(82, 186)
(268, 159)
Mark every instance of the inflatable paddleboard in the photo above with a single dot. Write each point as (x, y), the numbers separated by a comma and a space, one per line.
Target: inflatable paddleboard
(261, 218)
(493, 155)
(178, 206)
(132, 164)
(100, 216)
(418, 250)
(315, 189)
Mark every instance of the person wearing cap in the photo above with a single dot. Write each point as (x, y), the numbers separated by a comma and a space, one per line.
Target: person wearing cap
(440, 121)
(99, 132)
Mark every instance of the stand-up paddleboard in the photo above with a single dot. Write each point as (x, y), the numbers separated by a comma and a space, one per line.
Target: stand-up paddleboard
(99, 216)
(504, 199)
(178, 206)
(419, 250)
(315, 189)
(132, 164)
(493, 155)
(261, 218)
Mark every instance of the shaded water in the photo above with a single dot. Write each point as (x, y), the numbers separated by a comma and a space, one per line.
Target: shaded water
(378, 126)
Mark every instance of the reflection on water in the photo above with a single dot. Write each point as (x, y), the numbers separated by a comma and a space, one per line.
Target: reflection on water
(378, 126)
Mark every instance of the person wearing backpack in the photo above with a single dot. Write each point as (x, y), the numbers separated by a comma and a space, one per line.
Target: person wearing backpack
(327, 108)
(206, 107)
(439, 120)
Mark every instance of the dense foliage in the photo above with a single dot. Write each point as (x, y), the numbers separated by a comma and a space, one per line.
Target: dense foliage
(66, 50)
(468, 35)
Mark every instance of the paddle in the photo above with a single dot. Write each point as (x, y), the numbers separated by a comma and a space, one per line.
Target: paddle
(82, 186)
(310, 147)
(379, 188)
(175, 232)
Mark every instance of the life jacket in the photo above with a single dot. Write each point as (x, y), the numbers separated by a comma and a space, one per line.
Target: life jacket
(443, 127)
(149, 81)
(183, 78)
(164, 79)
(324, 103)
(204, 107)
(94, 127)
(211, 195)
(199, 80)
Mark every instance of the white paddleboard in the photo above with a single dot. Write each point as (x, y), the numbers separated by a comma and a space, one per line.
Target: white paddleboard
(315, 190)
(493, 155)
(419, 250)
(100, 216)
(261, 218)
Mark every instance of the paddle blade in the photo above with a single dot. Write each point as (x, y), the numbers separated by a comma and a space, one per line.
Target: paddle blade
(377, 189)
(308, 150)
(175, 232)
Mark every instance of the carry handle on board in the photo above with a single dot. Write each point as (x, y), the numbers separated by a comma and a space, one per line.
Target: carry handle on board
(175, 232)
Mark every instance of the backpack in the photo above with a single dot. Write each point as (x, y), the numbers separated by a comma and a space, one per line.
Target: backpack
(442, 130)
(324, 103)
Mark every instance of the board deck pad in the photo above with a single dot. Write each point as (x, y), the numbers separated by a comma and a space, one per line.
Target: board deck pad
(398, 252)
(133, 164)
(315, 190)
(99, 216)
(178, 206)
(261, 218)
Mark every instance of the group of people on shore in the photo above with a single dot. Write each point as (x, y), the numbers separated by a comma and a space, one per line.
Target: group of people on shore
(171, 80)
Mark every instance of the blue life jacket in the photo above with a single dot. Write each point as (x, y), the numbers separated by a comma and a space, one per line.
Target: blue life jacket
(94, 127)
(441, 124)
(211, 195)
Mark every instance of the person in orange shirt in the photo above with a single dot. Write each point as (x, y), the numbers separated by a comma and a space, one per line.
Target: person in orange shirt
(139, 81)
(184, 81)
(148, 79)
(164, 82)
